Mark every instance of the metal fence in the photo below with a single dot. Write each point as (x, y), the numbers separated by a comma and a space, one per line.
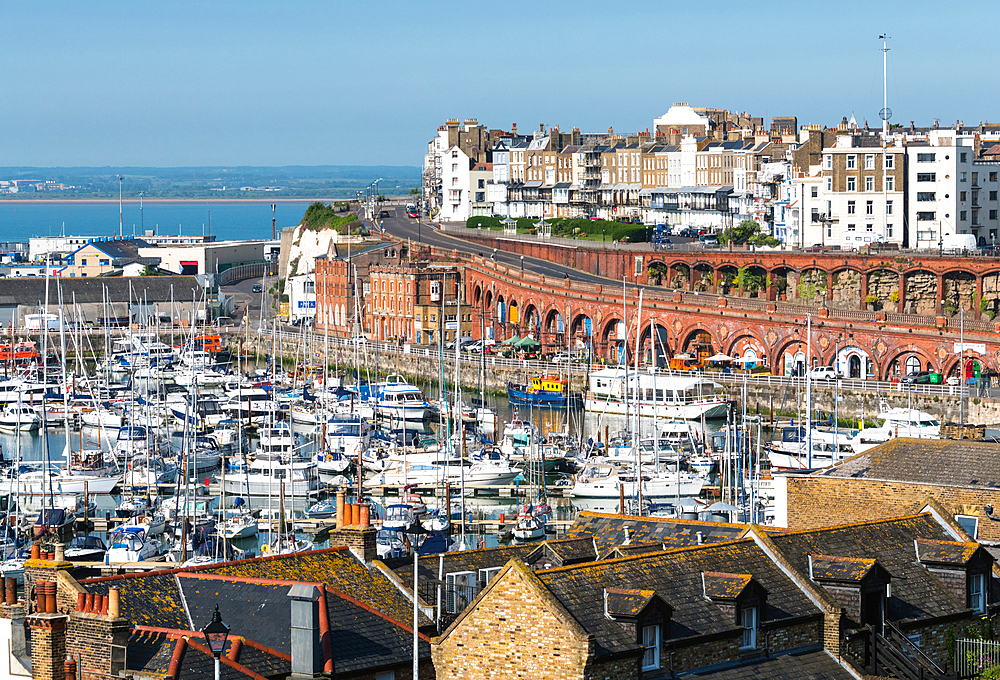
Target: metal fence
(972, 657)
(254, 270)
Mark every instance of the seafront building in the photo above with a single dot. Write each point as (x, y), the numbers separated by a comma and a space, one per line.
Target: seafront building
(710, 169)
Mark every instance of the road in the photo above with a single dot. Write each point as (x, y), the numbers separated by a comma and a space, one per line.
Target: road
(247, 303)
(401, 226)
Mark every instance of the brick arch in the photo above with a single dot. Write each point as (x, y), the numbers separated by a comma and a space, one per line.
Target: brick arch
(662, 344)
(608, 339)
(477, 294)
(952, 362)
(792, 344)
(901, 352)
(742, 334)
(531, 319)
(688, 335)
(701, 268)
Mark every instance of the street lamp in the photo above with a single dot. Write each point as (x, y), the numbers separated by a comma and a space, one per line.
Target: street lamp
(120, 231)
(142, 222)
(216, 633)
(522, 265)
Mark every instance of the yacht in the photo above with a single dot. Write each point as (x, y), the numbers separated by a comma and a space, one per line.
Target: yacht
(135, 440)
(250, 404)
(147, 470)
(55, 480)
(896, 422)
(828, 448)
(615, 390)
(85, 548)
(242, 526)
(608, 480)
(19, 389)
(277, 440)
(484, 473)
(399, 401)
(131, 544)
(20, 418)
(269, 474)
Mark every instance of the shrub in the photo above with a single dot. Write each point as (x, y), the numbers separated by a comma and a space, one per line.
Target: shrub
(894, 296)
(871, 299)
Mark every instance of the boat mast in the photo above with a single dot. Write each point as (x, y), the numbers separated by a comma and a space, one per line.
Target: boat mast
(886, 114)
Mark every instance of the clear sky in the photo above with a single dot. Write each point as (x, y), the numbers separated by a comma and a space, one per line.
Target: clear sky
(366, 83)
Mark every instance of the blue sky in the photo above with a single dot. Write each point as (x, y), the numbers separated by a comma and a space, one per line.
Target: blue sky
(364, 83)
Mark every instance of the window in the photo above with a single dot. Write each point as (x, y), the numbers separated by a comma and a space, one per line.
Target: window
(869, 183)
(850, 208)
(925, 196)
(888, 231)
(815, 214)
(963, 177)
(829, 183)
(977, 593)
(870, 161)
(962, 196)
(386, 675)
(651, 647)
(993, 195)
(925, 158)
(852, 162)
(869, 227)
(870, 208)
(926, 176)
(890, 162)
(814, 192)
(852, 183)
(993, 214)
(888, 207)
(963, 157)
(104, 262)
(850, 227)
(828, 162)
(83, 261)
(963, 215)
(993, 177)
(748, 619)
(890, 183)
(829, 230)
(925, 216)
(968, 522)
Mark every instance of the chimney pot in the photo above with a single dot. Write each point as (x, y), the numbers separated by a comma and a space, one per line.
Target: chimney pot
(341, 494)
(60, 552)
(69, 668)
(88, 605)
(114, 603)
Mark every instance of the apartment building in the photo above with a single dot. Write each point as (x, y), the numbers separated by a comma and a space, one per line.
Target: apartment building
(103, 257)
(469, 137)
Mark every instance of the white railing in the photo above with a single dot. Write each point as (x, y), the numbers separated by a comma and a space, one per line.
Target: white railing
(972, 657)
(847, 385)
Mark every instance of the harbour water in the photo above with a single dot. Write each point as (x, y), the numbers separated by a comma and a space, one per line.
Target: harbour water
(227, 220)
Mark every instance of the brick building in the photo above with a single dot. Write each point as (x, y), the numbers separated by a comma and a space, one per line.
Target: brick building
(899, 477)
(418, 302)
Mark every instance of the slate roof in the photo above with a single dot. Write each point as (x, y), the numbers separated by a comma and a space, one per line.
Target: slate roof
(623, 602)
(634, 549)
(916, 593)
(461, 560)
(29, 290)
(945, 552)
(724, 586)
(940, 462)
(154, 598)
(568, 550)
(676, 578)
(608, 530)
(825, 567)
(150, 653)
(811, 664)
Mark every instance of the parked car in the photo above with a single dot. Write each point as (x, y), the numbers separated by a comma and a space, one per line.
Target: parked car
(479, 346)
(917, 378)
(257, 288)
(708, 240)
(382, 214)
(223, 321)
(954, 380)
(569, 357)
(823, 373)
(359, 340)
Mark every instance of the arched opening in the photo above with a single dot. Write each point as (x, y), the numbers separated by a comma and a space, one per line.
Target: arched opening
(854, 366)
(530, 321)
(658, 273)
(751, 281)
(810, 286)
(680, 276)
(703, 274)
(912, 365)
(501, 310)
(613, 341)
(727, 279)
(749, 349)
(846, 289)
(779, 282)
(654, 345)
(959, 292)
(883, 290)
(477, 295)
(581, 332)
(921, 293)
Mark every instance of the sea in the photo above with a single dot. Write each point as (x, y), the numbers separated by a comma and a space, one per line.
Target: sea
(232, 220)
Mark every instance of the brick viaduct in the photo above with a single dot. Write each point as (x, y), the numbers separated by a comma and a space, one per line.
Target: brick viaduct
(880, 341)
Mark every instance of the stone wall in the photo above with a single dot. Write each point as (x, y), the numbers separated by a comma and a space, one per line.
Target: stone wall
(846, 290)
(882, 284)
(512, 629)
(921, 293)
(815, 502)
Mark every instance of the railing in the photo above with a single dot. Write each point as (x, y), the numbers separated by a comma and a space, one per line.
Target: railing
(241, 272)
(972, 657)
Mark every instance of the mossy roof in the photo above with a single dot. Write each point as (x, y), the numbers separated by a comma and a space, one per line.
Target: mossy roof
(608, 530)
(945, 552)
(828, 568)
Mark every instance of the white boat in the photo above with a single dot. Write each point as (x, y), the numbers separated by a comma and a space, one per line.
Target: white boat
(400, 401)
(602, 480)
(198, 376)
(40, 482)
(131, 544)
(613, 390)
(277, 440)
(146, 470)
(86, 549)
(243, 526)
(268, 474)
(792, 451)
(347, 434)
(249, 403)
(102, 417)
(897, 422)
(20, 418)
(137, 440)
(228, 436)
(517, 437)
(529, 528)
(486, 473)
(21, 390)
(284, 545)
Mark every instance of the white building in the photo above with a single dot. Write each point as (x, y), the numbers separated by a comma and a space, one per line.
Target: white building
(301, 297)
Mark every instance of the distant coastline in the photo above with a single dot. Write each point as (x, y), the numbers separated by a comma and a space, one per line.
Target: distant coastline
(130, 200)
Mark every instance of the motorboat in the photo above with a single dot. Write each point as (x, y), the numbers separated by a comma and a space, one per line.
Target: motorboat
(613, 391)
(286, 544)
(829, 447)
(347, 434)
(544, 391)
(390, 543)
(399, 517)
(242, 526)
(398, 472)
(228, 436)
(131, 544)
(399, 401)
(147, 470)
(529, 528)
(277, 440)
(610, 480)
(134, 440)
(250, 404)
(13, 566)
(206, 455)
(21, 390)
(896, 422)
(55, 480)
(84, 548)
(103, 417)
(20, 418)
(518, 436)
(270, 474)
(322, 510)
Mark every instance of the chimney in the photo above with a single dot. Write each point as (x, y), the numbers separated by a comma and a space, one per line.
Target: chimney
(307, 649)
(48, 644)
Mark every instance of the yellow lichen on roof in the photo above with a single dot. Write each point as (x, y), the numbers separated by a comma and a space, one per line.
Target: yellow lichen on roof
(718, 584)
(954, 552)
(841, 568)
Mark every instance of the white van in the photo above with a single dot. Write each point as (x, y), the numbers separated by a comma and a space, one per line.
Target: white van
(956, 243)
(823, 373)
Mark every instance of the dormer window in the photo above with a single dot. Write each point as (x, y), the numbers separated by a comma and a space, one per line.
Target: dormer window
(645, 615)
(977, 593)
(963, 568)
(651, 647)
(739, 596)
(750, 620)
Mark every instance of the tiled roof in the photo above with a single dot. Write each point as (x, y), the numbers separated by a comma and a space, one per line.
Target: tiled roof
(624, 602)
(91, 290)
(725, 586)
(812, 664)
(675, 576)
(428, 566)
(609, 530)
(154, 599)
(635, 549)
(916, 593)
(926, 461)
(572, 550)
(945, 552)
(826, 567)
(150, 653)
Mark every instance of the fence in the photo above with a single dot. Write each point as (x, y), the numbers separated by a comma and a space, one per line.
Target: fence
(972, 657)
(240, 272)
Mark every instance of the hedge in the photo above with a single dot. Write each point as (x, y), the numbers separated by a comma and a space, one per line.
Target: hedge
(568, 227)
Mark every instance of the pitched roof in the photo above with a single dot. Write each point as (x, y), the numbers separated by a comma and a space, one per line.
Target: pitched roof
(676, 578)
(29, 290)
(608, 530)
(945, 552)
(829, 568)
(811, 664)
(625, 602)
(568, 550)
(726, 586)
(428, 566)
(916, 593)
(939, 462)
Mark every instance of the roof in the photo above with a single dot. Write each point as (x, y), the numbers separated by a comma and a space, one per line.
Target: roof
(567, 550)
(945, 552)
(726, 586)
(939, 462)
(828, 568)
(608, 531)
(150, 653)
(810, 664)
(916, 593)
(676, 578)
(428, 566)
(154, 598)
(31, 290)
(623, 602)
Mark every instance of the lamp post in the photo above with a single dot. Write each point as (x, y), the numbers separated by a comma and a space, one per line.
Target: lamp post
(522, 266)
(142, 222)
(216, 633)
(120, 220)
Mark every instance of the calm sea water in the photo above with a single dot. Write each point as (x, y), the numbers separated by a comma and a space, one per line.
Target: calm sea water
(235, 220)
